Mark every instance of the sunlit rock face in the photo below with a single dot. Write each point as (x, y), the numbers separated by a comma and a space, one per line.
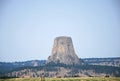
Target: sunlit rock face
(63, 51)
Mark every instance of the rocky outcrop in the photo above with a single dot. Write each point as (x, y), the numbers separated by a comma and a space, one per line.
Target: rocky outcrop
(63, 51)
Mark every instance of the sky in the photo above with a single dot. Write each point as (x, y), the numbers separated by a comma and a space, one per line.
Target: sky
(28, 28)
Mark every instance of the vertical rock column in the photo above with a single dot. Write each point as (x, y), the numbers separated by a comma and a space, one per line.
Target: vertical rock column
(63, 51)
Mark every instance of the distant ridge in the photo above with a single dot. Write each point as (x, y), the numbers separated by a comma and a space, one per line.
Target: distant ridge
(14, 69)
(109, 61)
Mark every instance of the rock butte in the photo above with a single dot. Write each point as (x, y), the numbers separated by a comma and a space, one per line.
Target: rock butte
(63, 51)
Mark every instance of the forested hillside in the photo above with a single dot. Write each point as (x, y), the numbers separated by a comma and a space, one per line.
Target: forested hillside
(91, 67)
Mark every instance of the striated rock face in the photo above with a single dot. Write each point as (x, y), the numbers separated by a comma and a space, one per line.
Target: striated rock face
(63, 51)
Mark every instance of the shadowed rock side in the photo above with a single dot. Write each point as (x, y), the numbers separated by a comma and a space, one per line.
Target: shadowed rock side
(63, 51)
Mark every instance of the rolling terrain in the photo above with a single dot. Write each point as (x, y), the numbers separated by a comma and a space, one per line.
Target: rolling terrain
(64, 79)
(91, 67)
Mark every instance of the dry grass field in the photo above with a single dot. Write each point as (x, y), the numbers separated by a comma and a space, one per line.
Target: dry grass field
(65, 79)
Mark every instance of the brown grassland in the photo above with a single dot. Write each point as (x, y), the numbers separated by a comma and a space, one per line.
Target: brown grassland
(65, 79)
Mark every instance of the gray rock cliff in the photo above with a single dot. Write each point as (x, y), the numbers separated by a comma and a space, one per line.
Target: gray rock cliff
(63, 51)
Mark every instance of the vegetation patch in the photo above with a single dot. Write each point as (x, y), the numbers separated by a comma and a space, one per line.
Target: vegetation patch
(65, 79)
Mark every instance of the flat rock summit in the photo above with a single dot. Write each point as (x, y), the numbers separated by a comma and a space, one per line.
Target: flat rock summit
(63, 51)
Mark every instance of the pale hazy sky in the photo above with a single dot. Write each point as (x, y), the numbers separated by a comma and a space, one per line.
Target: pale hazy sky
(28, 27)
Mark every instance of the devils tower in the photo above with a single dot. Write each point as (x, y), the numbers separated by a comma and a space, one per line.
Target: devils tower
(63, 51)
